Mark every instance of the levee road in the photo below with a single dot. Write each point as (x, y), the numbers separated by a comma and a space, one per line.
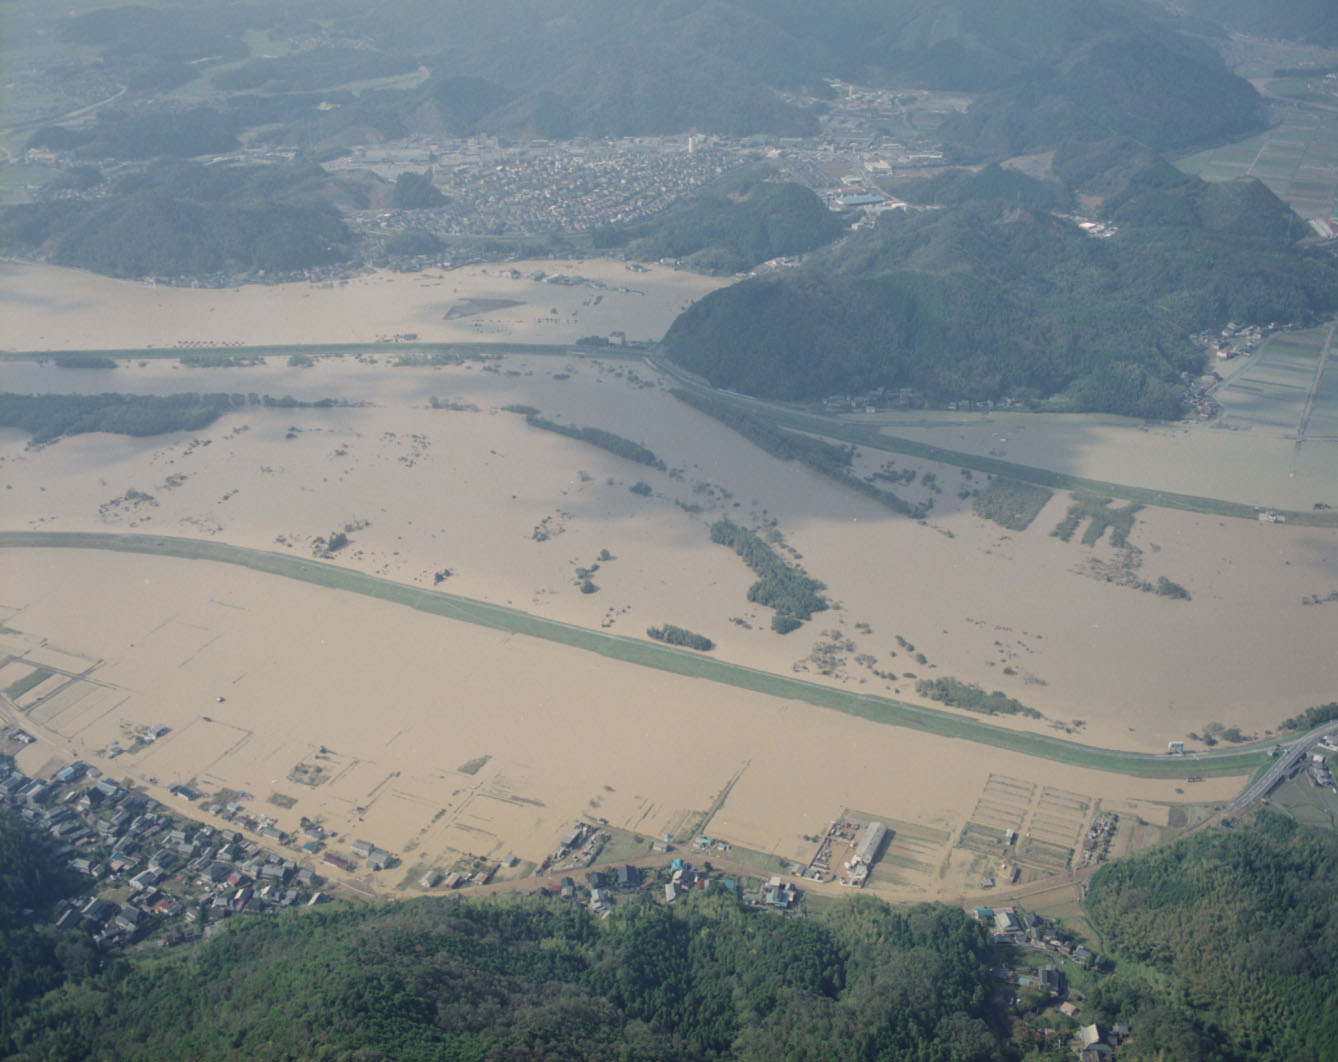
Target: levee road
(651, 654)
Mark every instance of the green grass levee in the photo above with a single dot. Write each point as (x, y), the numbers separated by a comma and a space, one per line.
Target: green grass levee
(875, 438)
(650, 654)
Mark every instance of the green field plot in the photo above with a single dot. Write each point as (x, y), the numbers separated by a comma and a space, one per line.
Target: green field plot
(1003, 803)
(1060, 818)
(1307, 186)
(1323, 423)
(1296, 159)
(16, 180)
(1011, 503)
(1307, 802)
(1271, 392)
(979, 838)
(1043, 854)
(1273, 170)
(912, 853)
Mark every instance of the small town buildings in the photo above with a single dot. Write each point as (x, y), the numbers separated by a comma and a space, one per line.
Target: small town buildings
(779, 894)
(1052, 977)
(628, 877)
(573, 837)
(1094, 1049)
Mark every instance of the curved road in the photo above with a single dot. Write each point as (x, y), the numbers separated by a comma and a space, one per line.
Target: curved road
(1291, 754)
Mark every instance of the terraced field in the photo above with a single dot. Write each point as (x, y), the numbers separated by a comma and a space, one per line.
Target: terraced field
(1297, 159)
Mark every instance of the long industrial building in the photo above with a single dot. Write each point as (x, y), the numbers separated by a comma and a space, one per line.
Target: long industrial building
(867, 850)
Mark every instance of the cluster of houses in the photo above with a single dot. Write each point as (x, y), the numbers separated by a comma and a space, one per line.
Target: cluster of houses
(538, 187)
(864, 842)
(164, 871)
(1028, 929)
(1093, 1045)
(1031, 930)
(1096, 845)
(683, 877)
(603, 885)
(579, 847)
(679, 879)
(1233, 340)
(871, 401)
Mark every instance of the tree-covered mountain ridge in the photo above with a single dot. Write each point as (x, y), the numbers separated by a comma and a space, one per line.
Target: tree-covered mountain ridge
(993, 292)
(607, 68)
(1220, 949)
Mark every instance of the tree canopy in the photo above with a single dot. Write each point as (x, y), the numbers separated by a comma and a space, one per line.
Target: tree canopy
(988, 298)
(1227, 941)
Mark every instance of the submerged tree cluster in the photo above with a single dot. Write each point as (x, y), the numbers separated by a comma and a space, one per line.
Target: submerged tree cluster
(780, 586)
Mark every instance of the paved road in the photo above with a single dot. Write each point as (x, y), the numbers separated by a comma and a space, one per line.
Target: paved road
(1304, 423)
(1291, 755)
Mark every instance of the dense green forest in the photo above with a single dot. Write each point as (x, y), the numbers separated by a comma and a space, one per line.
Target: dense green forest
(187, 219)
(780, 586)
(533, 978)
(1132, 80)
(673, 635)
(732, 228)
(1046, 69)
(605, 440)
(1010, 503)
(960, 694)
(48, 417)
(34, 959)
(1221, 947)
(1224, 945)
(1312, 717)
(124, 135)
(989, 299)
(415, 191)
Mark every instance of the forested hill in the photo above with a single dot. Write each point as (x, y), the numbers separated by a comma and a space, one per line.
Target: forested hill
(180, 218)
(511, 979)
(732, 227)
(987, 297)
(33, 959)
(1222, 947)
(1310, 21)
(319, 76)
(610, 68)
(1228, 942)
